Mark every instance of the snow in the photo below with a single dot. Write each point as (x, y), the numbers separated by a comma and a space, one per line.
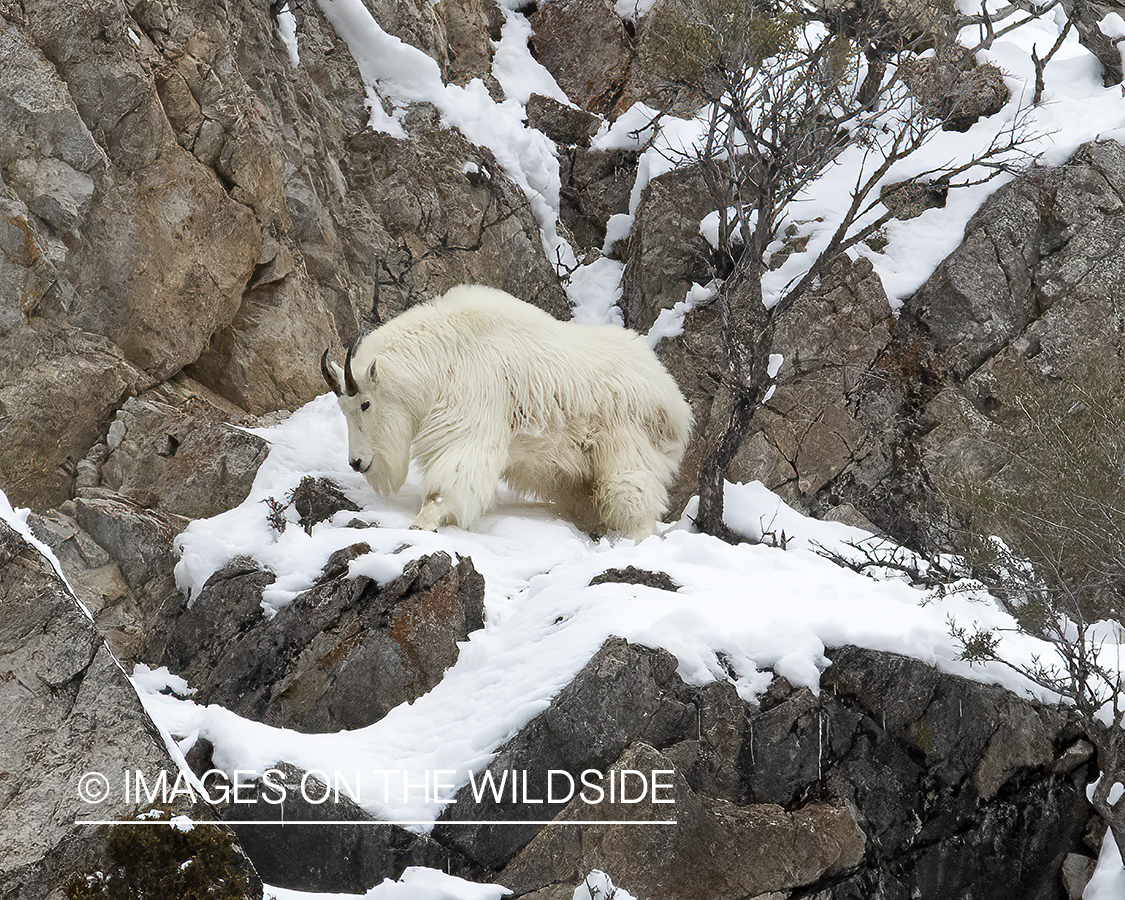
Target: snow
(670, 322)
(743, 612)
(397, 74)
(1108, 882)
(287, 31)
(416, 883)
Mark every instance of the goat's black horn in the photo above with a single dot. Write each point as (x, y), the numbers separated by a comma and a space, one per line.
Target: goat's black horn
(349, 379)
(328, 375)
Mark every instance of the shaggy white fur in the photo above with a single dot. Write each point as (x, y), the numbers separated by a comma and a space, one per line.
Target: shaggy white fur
(477, 386)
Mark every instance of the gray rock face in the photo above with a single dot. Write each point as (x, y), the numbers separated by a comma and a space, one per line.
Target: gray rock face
(339, 656)
(871, 413)
(896, 780)
(173, 185)
(623, 694)
(584, 45)
(665, 252)
(172, 449)
(69, 710)
(57, 391)
(714, 850)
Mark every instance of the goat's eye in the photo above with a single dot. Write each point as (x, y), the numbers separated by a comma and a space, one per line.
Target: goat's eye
(365, 406)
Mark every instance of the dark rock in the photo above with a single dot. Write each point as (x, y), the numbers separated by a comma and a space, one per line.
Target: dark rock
(943, 773)
(563, 124)
(903, 780)
(69, 710)
(715, 850)
(952, 87)
(584, 45)
(596, 184)
(318, 499)
(624, 693)
(665, 252)
(341, 655)
(632, 575)
(330, 857)
(909, 199)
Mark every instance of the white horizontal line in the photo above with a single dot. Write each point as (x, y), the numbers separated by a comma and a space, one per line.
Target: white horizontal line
(375, 822)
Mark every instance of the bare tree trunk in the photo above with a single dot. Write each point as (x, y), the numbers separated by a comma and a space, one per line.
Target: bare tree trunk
(747, 330)
(1084, 17)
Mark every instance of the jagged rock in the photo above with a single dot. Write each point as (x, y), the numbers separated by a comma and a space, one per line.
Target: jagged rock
(69, 710)
(596, 184)
(561, 123)
(952, 87)
(909, 777)
(318, 499)
(436, 227)
(1077, 870)
(471, 28)
(341, 655)
(809, 431)
(623, 694)
(333, 857)
(57, 391)
(97, 582)
(132, 198)
(139, 540)
(584, 45)
(172, 449)
(714, 851)
(665, 252)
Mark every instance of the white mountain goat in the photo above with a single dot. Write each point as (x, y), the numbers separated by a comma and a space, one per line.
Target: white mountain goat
(477, 385)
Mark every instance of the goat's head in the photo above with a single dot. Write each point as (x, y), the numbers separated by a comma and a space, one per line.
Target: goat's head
(376, 449)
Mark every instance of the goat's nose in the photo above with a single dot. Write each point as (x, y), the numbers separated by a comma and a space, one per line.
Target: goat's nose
(356, 464)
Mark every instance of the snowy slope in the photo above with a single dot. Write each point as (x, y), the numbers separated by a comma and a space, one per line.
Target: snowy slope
(741, 610)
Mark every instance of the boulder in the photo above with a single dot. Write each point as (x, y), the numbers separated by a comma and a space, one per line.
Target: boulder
(563, 124)
(341, 655)
(952, 87)
(71, 711)
(584, 45)
(899, 780)
(139, 540)
(710, 850)
(623, 694)
(172, 449)
(665, 252)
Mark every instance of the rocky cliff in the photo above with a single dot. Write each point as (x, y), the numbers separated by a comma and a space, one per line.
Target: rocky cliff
(194, 203)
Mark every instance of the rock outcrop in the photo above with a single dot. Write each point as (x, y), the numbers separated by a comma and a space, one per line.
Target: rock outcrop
(69, 711)
(872, 413)
(341, 655)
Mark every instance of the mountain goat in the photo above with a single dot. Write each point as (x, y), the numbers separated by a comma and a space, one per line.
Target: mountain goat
(477, 385)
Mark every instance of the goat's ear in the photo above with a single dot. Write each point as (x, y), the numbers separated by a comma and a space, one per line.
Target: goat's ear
(333, 375)
(371, 371)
